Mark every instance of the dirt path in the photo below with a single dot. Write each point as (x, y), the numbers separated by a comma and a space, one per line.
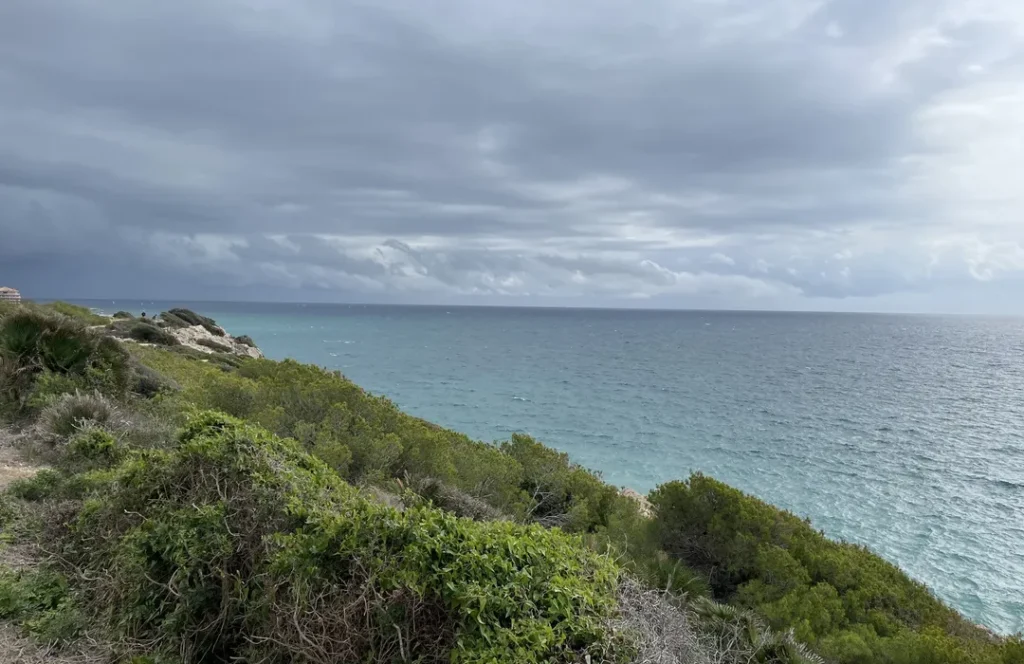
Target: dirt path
(12, 465)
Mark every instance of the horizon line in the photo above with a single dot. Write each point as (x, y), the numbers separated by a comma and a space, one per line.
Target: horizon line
(535, 306)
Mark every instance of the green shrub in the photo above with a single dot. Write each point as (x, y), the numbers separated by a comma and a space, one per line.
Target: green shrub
(220, 543)
(563, 493)
(297, 401)
(149, 333)
(838, 597)
(45, 484)
(21, 332)
(41, 602)
(50, 387)
(34, 343)
(192, 318)
(123, 314)
(170, 320)
(246, 340)
(91, 449)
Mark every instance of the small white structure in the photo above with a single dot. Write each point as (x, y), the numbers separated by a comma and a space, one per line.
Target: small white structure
(9, 294)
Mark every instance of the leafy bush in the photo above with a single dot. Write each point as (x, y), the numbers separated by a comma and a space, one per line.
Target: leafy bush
(149, 333)
(849, 603)
(221, 542)
(563, 494)
(91, 449)
(45, 484)
(123, 314)
(377, 442)
(40, 600)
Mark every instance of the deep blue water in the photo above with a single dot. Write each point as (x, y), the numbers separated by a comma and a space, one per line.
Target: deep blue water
(904, 433)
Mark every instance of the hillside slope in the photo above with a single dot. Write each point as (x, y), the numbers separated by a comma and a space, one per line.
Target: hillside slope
(272, 511)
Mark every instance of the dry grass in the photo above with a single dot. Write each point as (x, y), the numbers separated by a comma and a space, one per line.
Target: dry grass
(13, 466)
(658, 631)
(18, 649)
(72, 413)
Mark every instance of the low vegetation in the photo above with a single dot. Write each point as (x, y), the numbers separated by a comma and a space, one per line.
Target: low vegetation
(222, 540)
(211, 508)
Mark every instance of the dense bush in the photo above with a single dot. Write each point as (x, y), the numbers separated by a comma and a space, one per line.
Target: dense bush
(246, 340)
(561, 493)
(123, 314)
(170, 320)
(149, 333)
(367, 439)
(221, 543)
(35, 344)
(91, 449)
(192, 318)
(848, 603)
(47, 483)
(41, 601)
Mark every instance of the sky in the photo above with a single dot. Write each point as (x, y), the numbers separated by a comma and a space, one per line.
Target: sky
(860, 155)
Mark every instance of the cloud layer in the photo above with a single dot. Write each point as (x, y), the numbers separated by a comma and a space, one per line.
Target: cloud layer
(798, 154)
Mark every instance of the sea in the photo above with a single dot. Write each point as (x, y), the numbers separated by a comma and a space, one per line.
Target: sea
(904, 433)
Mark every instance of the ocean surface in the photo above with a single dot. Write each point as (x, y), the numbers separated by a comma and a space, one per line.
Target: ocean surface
(904, 433)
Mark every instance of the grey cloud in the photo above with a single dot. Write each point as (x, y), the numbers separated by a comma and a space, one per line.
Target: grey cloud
(517, 150)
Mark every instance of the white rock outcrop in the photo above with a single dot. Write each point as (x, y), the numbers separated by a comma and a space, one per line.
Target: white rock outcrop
(199, 338)
(646, 509)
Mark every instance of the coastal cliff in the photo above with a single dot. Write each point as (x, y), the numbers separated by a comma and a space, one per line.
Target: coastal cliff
(181, 327)
(202, 504)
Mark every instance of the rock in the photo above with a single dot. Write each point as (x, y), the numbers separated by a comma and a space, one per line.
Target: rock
(646, 509)
(201, 339)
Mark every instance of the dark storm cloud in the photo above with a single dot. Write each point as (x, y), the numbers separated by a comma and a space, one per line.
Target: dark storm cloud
(504, 149)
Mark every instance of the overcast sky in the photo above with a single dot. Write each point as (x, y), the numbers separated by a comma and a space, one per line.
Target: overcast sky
(793, 154)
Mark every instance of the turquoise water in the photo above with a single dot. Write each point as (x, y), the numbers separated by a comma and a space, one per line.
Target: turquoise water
(904, 433)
